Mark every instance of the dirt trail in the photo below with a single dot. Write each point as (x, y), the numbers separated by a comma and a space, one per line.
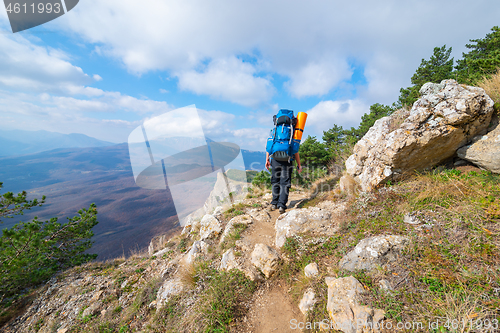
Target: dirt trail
(263, 231)
(272, 308)
(272, 311)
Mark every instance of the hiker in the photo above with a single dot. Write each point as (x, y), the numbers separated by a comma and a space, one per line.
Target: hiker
(281, 180)
(281, 150)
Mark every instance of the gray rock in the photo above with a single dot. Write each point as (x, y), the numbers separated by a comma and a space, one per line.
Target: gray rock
(484, 151)
(385, 286)
(186, 230)
(444, 119)
(93, 309)
(259, 215)
(299, 221)
(209, 227)
(240, 219)
(372, 252)
(460, 162)
(307, 302)
(344, 309)
(218, 211)
(243, 245)
(411, 219)
(167, 290)
(198, 248)
(266, 259)
(311, 270)
(431, 88)
(219, 198)
(230, 261)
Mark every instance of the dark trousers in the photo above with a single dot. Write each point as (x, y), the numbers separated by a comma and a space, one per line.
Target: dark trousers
(281, 181)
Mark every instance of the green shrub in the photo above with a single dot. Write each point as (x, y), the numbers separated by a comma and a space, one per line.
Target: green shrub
(262, 179)
(32, 252)
(223, 299)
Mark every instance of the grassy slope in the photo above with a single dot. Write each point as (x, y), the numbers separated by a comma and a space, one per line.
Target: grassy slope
(449, 272)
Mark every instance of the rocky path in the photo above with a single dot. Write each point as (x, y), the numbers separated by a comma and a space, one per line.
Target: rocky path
(272, 308)
(263, 230)
(272, 311)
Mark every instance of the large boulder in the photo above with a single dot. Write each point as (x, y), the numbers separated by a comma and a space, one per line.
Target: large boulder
(299, 221)
(229, 261)
(484, 150)
(345, 309)
(266, 259)
(169, 289)
(209, 227)
(445, 118)
(373, 252)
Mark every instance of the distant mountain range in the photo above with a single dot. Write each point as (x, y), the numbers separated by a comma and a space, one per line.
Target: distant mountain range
(72, 178)
(19, 142)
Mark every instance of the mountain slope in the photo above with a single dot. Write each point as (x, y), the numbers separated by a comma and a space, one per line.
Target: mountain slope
(20, 142)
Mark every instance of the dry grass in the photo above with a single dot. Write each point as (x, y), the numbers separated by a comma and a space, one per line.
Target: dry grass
(449, 272)
(187, 276)
(492, 86)
(398, 117)
(322, 185)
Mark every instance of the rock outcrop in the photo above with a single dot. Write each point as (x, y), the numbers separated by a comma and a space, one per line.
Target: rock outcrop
(198, 248)
(372, 252)
(230, 261)
(345, 310)
(266, 259)
(294, 222)
(168, 289)
(445, 118)
(209, 227)
(226, 191)
(484, 150)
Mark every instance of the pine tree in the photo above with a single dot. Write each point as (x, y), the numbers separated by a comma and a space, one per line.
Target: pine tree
(31, 252)
(439, 67)
(483, 59)
(313, 153)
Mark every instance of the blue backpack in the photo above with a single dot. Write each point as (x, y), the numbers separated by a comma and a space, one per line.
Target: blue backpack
(280, 145)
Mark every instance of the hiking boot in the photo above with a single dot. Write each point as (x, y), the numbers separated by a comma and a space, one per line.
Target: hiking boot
(273, 207)
(282, 210)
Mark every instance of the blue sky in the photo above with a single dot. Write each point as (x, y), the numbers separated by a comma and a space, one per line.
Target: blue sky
(108, 65)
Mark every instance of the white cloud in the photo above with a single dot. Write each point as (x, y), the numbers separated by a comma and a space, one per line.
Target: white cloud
(26, 66)
(308, 45)
(318, 78)
(311, 48)
(70, 114)
(325, 114)
(252, 138)
(228, 79)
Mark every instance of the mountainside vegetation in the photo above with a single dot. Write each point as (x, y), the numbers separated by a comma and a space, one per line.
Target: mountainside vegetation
(32, 252)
